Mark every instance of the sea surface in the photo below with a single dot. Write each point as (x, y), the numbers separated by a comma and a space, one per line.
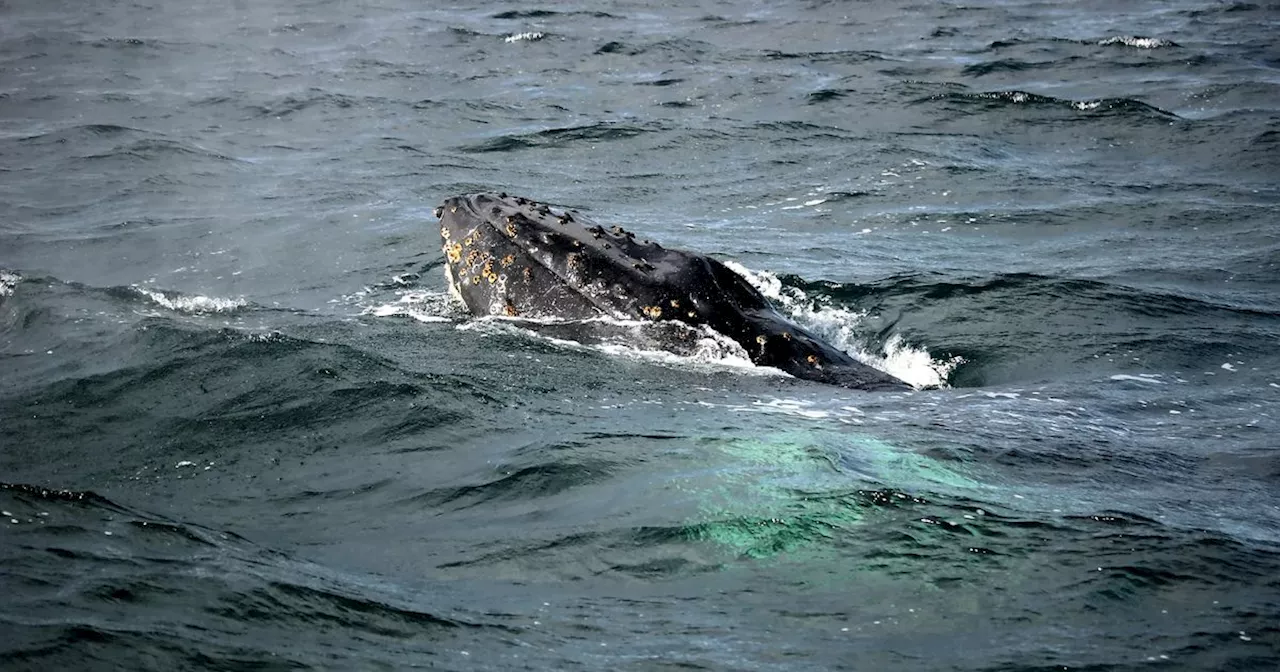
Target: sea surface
(243, 426)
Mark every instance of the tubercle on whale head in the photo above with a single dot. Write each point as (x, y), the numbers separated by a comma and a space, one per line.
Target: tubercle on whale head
(527, 223)
(463, 215)
(467, 224)
(512, 256)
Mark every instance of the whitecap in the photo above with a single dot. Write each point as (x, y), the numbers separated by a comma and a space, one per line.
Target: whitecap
(529, 36)
(192, 304)
(1137, 42)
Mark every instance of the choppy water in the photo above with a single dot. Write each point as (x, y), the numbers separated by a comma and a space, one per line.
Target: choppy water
(243, 427)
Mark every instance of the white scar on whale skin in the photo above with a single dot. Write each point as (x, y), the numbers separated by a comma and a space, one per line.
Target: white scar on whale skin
(453, 284)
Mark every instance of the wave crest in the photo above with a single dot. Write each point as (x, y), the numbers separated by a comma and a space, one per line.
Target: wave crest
(191, 304)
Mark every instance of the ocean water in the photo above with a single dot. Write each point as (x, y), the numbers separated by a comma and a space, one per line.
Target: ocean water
(243, 425)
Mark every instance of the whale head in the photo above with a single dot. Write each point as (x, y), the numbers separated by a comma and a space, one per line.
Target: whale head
(515, 257)
(512, 256)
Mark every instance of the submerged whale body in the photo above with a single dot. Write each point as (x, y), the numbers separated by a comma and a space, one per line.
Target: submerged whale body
(512, 256)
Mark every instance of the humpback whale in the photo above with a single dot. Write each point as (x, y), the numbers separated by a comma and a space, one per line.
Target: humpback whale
(512, 256)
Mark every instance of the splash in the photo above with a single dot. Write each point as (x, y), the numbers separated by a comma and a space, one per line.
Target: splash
(192, 304)
(914, 365)
(8, 281)
(421, 306)
(840, 327)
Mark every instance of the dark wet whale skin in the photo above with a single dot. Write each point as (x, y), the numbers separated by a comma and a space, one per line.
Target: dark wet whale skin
(511, 256)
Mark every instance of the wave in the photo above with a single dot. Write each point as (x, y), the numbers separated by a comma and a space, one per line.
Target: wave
(150, 149)
(129, 43)
(798, 496)
(986, 101)
(792, 132)
(230, 394)
(313, 98)
(517, 482)
(191, 304)
(824, 95)
(1142, 301)
(1137, 42)
(1132, 41)
(98, 142)
(547, 13)
(131, 296)
(67, 134)
(1013, 65)
(66, 330)
(135, 296)
(109, 582)
(563, 137)
(775, 495)
(1019, 327)
(840, 56)
(664, 81)
(669, 51)
(1229, 8)
(1261, 153)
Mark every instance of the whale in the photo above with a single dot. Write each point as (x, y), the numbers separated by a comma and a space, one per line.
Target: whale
(518, 258)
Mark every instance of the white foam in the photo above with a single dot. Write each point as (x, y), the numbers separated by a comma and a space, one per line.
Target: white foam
(8, 281)
(711, 351)
(794, 407)
(1136, 42)
(530, 36)
(839, 326)
(1001, 395)
(192, 304)
(1146, 378)
(421, 306)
